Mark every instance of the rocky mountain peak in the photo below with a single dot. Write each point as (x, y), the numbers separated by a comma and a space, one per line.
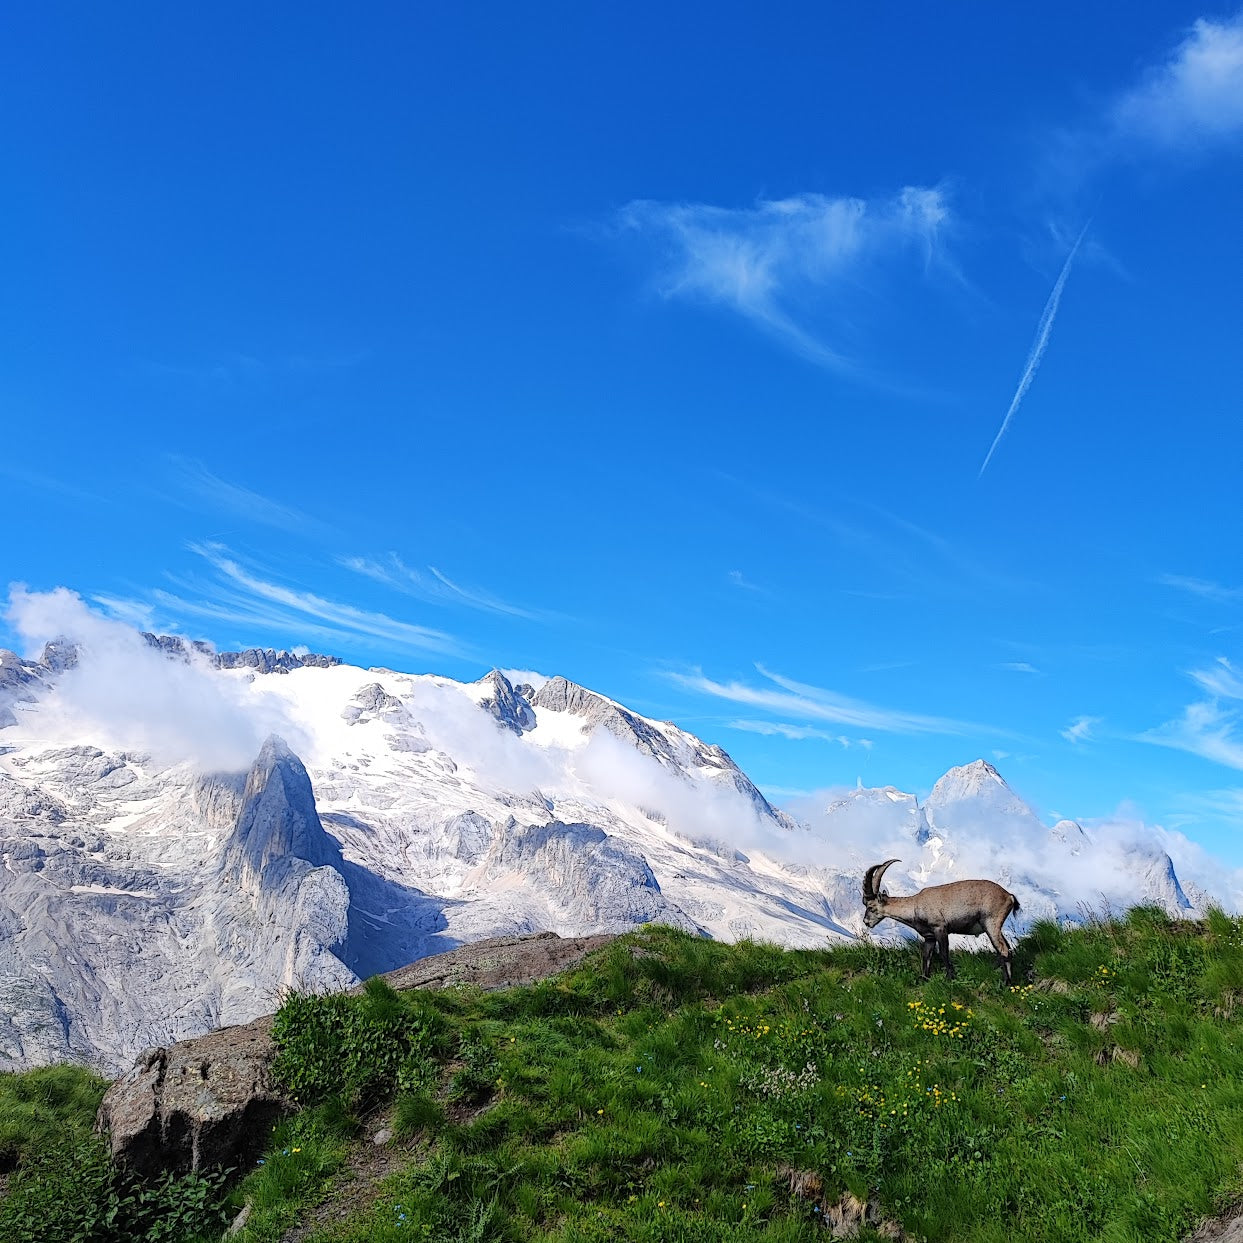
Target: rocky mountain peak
(268, 660)
(968, 780)
(507, 703)
(176, 647)
(976, 793)
(59, 654)
(561, 695)
(278, 820)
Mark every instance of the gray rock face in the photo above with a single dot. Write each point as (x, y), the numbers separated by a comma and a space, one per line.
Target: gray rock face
(560, 695)
(266, 660)
(584, 872)
(21, 681)
(102, 953)
(178, 648)
(506, 704)
(373, 702)
(278, 825)
(687, 752)
(59, 655)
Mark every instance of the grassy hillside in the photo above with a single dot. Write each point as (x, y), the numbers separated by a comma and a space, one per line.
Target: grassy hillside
(677, 1089)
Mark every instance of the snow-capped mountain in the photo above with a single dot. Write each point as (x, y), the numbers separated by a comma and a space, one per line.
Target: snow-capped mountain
(973, 824)
(146, 896)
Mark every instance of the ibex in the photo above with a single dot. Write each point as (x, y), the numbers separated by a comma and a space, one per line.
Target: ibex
(969, 907)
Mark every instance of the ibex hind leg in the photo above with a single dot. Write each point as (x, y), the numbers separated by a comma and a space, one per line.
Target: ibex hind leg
(1002, 946)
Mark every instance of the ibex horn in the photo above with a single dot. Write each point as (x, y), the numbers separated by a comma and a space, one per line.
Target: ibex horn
(872, 878)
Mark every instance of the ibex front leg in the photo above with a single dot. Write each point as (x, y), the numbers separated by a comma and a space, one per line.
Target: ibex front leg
(943, 944)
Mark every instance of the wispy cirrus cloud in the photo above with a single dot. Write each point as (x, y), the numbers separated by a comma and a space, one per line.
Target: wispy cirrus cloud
(1204, 588)
(813, 703)
(1211, 728)
(199, 484)
(245, 595)
(796, 733)
(1080, 729)
(1193, 100)
(739, 580)
(435, 587)
(1205, 729)
(1021, 666)
(1221, 679)
(1181, 108)
(780, 262)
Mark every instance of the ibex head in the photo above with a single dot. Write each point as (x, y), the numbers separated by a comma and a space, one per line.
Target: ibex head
(874, 897)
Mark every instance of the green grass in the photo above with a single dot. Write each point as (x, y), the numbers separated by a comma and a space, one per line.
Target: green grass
(37, 1107)
(676, 1088)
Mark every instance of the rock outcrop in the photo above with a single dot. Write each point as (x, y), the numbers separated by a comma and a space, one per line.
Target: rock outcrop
(202, 1103)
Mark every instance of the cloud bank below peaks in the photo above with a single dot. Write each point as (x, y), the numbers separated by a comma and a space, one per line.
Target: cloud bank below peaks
(785, 263)
(127, 695)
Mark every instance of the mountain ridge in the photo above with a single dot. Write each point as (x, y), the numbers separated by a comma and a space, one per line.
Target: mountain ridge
(148, 901)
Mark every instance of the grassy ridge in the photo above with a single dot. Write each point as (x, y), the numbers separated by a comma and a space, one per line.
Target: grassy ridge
(675, 1088)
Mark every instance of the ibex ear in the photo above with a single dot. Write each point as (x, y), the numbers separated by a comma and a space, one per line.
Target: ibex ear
(884, 893)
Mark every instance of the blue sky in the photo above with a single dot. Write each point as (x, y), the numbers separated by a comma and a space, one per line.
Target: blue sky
(662, 350)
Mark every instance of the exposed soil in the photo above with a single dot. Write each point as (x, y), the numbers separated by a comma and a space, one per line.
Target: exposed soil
(354, 1188)
(1228, 1228)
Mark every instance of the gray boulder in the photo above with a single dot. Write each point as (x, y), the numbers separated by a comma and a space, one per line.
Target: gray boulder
(195, 1105)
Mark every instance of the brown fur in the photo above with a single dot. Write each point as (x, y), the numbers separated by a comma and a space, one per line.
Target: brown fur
(968, 907)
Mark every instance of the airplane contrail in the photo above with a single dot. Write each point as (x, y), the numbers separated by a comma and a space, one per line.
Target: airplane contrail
(1038, 348)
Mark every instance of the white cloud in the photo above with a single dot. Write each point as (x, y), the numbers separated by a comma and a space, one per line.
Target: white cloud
(1206, 730)
(796, 733)
(219, 494)
(1193, 100)
(1210, 728)
(738, 579)
(258, 595)
(128, 695)
(1020, 666)
(434, 586)
(1222, 680)
(769, 261)
(1103, 872)
(1204, 588)
(814, 703)
(1081, 729)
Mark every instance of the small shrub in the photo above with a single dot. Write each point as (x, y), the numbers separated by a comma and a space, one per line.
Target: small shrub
(71, 1192)
(359, 1046)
